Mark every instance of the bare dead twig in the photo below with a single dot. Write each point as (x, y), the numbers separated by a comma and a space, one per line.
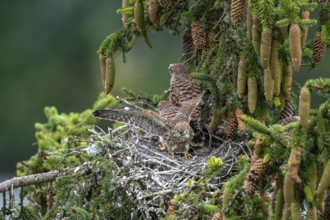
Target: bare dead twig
(38, 178)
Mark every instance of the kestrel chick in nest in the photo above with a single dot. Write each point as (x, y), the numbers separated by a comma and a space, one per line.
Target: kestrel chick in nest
(184, 88)
(170, 124)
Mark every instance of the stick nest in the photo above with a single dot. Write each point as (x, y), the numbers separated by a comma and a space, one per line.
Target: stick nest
(151, 178)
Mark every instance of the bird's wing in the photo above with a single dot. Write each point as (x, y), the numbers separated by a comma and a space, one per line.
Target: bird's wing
(142, 120)
(189, 106)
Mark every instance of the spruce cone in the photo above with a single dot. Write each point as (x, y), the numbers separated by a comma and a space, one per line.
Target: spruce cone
(167, 4)
(265, 47)
(288, 120)
(241, 126)
(153, 11)
(227, 195)
(241, 78)
(294, 164)
(304, 14)
(295, 46)
(295, 211)
(210, 41)
(287, 111)
(187, 46)
(110, 73)
(231, 126)
(139, 15)
(237, 11)
(268, 85)
(319, 47)
(279, 203)
(205, 52)
(324, 181)
(275, 68)
(217, 216)
(198, 33)
(256, 35)
(249, 22)
(102, 67)
(252, 94)
(304, 106)
(287, 80)
(256, 173)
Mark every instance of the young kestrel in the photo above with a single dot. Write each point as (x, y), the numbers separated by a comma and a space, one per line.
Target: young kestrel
(184, 88)
(170, 123)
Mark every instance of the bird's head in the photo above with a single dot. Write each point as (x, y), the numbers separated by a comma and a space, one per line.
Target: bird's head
(183, 131)
(177, 69)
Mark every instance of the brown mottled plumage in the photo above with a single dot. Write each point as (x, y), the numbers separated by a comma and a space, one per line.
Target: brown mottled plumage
(171, 123)
(182, 85)
(184, 88)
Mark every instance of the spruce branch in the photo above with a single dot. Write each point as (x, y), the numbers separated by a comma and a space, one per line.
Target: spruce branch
(320, 85)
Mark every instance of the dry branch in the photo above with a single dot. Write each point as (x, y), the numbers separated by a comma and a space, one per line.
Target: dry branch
(38, 178)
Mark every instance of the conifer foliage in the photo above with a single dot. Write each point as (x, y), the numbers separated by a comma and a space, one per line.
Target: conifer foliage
(272, 162)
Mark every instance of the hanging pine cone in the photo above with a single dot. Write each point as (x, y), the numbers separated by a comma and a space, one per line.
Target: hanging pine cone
(231, 126)
(304, 106)
(110, 74)
(275, 67)
(287, 111)
(268, 85)
(241, 78)
(287, 80)
(102, 67)
(249, 22)
(187, 45)
(252, 94)
(295, 46)
(205, 52)
(256, 37)
(256, 173)
(319, 47)
(209, 42)
(210, 39)
(265, 46)
(304, 14)
(217, 216)
(198, 33)
(153, 11)
(167, 4)
(240, 126)
(237, 11)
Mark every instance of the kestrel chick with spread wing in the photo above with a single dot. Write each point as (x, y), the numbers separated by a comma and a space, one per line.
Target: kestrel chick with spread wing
(174, 130)
(184, 88)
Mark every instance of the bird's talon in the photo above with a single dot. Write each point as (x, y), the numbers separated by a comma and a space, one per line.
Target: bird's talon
(163, 148)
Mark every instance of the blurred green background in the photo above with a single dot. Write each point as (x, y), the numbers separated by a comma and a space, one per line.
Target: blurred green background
(48, 57)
